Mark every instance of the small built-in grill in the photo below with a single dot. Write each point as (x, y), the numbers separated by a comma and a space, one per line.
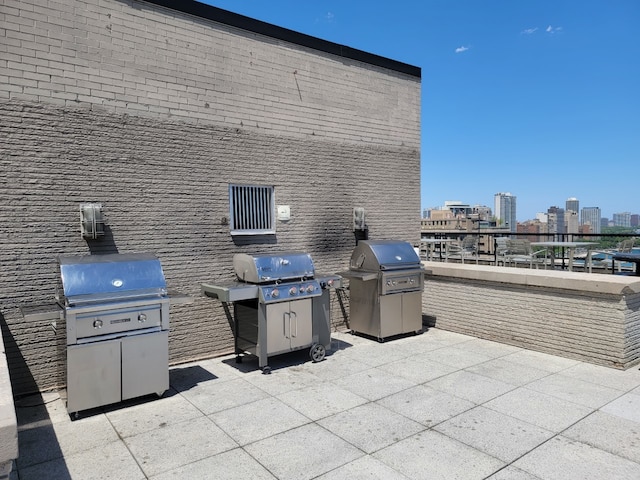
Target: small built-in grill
(385, 288)
(116, 309)
(279, 305)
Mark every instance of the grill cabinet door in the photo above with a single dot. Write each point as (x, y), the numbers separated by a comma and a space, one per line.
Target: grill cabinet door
(301, 323)
(289, 325)
(93, 375)
(145, 364)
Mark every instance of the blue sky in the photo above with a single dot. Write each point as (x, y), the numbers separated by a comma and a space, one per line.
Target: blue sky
(539, 98)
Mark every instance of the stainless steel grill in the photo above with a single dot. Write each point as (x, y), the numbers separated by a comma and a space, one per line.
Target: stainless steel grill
(116, 309)
(279, 305)
(385, 288)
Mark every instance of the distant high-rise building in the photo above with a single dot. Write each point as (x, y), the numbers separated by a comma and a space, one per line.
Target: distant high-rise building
(505, 210)
(571, 224)
(591, 216)
(572, 205)
(635, 220)
(556, 219)
(604, 222)
(622, 219)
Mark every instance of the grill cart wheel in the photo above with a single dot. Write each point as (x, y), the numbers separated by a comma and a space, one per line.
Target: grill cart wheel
(266, 370)
(317, 352)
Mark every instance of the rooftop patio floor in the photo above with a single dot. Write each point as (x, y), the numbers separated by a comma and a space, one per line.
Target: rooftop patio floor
(435, 405)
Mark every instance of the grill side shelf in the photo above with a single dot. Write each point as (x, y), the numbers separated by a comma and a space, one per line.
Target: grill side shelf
(230, 293)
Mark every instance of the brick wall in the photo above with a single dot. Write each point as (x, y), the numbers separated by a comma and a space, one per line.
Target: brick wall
(153, 113)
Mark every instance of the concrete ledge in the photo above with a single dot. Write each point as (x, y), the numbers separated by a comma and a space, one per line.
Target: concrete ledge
(590, 317)
(8, 421)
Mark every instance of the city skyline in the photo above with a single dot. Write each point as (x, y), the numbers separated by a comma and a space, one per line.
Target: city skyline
(535, 97)
(519, 218)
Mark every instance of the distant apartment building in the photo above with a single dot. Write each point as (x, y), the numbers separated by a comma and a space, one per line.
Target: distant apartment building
(571, 223)
(533, 229)
(505, 210)
(556, 220)
(635, 220)
(622, 219)
(591, 216)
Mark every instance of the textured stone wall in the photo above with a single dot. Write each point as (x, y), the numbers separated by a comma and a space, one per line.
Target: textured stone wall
(153, 113)
(595, 326)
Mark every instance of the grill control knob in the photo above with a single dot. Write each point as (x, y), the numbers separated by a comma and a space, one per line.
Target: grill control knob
(97, 323)
(142, 317)
(411, 280)
(310, 288)
(293, 291)
(388, 283)
(275, 293)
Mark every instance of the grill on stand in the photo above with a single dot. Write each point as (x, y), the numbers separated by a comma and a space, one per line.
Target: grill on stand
(279, 305)
(116, 309)
(385, 288)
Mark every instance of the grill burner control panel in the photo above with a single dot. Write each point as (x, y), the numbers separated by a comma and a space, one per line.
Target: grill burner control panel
(289, 291)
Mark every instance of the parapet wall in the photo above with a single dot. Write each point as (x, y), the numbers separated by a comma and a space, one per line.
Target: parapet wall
(589, 317)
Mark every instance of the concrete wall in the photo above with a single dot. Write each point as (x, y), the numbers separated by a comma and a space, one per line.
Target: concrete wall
(153, 112)
(589, 317)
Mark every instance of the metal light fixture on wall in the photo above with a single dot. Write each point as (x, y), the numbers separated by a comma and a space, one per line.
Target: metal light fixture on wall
(91, 221)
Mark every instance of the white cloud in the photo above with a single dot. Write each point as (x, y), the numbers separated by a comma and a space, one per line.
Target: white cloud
(461, 49)
(529, 31)
(330, 16)
(553, 30)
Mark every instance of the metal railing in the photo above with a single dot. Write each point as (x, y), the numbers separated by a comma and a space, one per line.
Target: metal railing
(603, 245)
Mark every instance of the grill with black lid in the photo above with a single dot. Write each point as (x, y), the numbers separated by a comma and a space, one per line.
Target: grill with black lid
(385, 288)
(279, 305)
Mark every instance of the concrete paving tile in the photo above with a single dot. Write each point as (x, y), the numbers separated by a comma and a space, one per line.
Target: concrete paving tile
(610, 433)
(364, 468)
(283, 379)
(332, 370)
(542, 361)
(184, 377)
(141, 418)
(232, 465)
(111, 460)
(84, 434)
(564, 459)
(376, 354)
(430, 455)
(574, 390)
(36, 445)
(494, 433)
(46, 407)
(512, 473)
(374, 383)
(509, 372)
(418, 369)
(321, 400)
(624, 380)
(445, 337)
(195, 439)
(371, 427)
(546, 411)
(45, 443)
(426, 405)
(302, 453)
(470, 386)
(268, 417)
(219, 395)
(627, 406)
(488, 348)
(456, 356)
